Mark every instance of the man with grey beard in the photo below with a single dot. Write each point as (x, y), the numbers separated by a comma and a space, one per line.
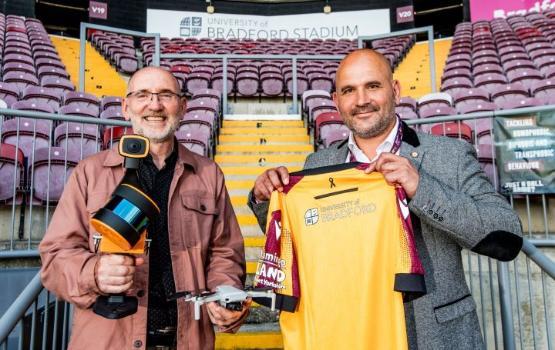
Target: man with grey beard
(451, 201)
(196, 244)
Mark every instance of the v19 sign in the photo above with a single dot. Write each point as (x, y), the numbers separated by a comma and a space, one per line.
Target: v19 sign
(98, 10)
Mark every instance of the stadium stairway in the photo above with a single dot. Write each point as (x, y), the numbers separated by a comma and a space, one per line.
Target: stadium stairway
(245, 150)
(414, 70)
(101, 79)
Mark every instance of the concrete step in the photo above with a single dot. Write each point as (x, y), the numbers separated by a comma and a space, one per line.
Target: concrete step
(247, 220)
(264, 159)
(250, 340)
(255, 242)
(280, 149)
(239, 192)
(251, 231)
(262, 123)
(263, 131)
(239, 184)
(250, 170)
(238, 200)
(270, 139)
(264, 335)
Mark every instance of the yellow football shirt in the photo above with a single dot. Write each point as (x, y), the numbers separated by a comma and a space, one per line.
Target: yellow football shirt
(336, 244)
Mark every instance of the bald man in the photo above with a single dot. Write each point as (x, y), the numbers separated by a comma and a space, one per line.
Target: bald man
(451, 201)
(196, 243)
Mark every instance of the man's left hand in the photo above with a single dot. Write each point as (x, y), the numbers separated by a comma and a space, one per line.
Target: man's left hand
(222, 317)
(397, 170)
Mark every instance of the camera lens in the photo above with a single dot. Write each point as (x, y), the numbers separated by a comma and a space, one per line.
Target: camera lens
(134, 147)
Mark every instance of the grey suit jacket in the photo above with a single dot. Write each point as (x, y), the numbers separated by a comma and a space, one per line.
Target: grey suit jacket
(455, 207)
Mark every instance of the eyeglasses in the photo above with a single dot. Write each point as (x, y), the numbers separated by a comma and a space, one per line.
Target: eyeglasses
(144, 96)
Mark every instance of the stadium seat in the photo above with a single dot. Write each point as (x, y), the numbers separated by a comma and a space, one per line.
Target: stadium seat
(26, 134)
(39, 95)
(323, 123)
(334, 136)
(197, 81)
(9, 93)
(197, 141)
(544, 91)
(457, 130)
(79, 139)
(110, 102)
(83, 101)
(112, 113)
(113, 134)
(507, 92)
(61, 85)
(49, 172)
(21, 80)
(11, 171)
(247, 83)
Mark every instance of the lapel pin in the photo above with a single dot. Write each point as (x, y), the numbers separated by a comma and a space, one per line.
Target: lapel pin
(414, 154)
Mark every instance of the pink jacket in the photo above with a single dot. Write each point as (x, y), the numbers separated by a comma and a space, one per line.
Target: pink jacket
(205, 242)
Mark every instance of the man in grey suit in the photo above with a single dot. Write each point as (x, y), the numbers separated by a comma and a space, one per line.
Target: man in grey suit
(452, 203)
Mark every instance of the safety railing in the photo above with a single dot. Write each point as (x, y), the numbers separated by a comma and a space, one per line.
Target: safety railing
(42, 149)
(429, 30)
(225, 58)
(521, 318)
(515, 299)
(36, 320)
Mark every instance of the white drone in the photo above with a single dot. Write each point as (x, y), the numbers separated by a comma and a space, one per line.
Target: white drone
(227, 296)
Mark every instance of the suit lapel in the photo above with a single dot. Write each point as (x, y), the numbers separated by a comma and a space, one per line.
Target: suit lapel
(341, 155)
(410, 148)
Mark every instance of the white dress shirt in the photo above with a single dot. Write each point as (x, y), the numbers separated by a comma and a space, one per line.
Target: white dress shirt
(385, 146)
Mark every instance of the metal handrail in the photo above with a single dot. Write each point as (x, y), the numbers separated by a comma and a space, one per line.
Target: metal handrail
(226, 57)
(542, 260)
(83, 41)
(18, 308)
(431, 48)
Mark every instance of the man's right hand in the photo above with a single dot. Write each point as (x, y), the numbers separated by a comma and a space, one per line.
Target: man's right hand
(114, 272)
(268, 181)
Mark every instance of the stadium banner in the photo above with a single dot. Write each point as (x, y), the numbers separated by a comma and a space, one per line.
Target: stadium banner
(336, 25)
(525, 150)
(480, 9)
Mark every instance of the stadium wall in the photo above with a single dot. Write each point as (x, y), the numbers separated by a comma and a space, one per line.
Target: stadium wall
(132, 14)
(20, 7)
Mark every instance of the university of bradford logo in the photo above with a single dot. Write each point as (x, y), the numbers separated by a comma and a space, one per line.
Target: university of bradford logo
(190, 26)
(311, 216)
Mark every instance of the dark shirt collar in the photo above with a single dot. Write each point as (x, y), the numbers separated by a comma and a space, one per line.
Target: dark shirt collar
(168, 162)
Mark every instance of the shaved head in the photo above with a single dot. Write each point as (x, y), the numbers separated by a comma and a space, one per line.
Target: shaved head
(147, 72)
(365, 93)
(367, 56)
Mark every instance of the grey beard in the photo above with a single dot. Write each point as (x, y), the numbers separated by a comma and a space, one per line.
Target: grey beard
(376, 130)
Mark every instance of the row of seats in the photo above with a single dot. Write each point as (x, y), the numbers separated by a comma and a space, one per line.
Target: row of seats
(28, 57)
(491, 54)
(329, 129)
(201, 120)
(48, 100)
(40, 178)
(118, 49)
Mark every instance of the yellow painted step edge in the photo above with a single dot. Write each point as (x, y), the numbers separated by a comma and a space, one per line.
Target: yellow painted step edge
(258, 340)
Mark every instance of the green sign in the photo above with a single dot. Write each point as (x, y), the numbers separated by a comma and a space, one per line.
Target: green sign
(525, 150)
